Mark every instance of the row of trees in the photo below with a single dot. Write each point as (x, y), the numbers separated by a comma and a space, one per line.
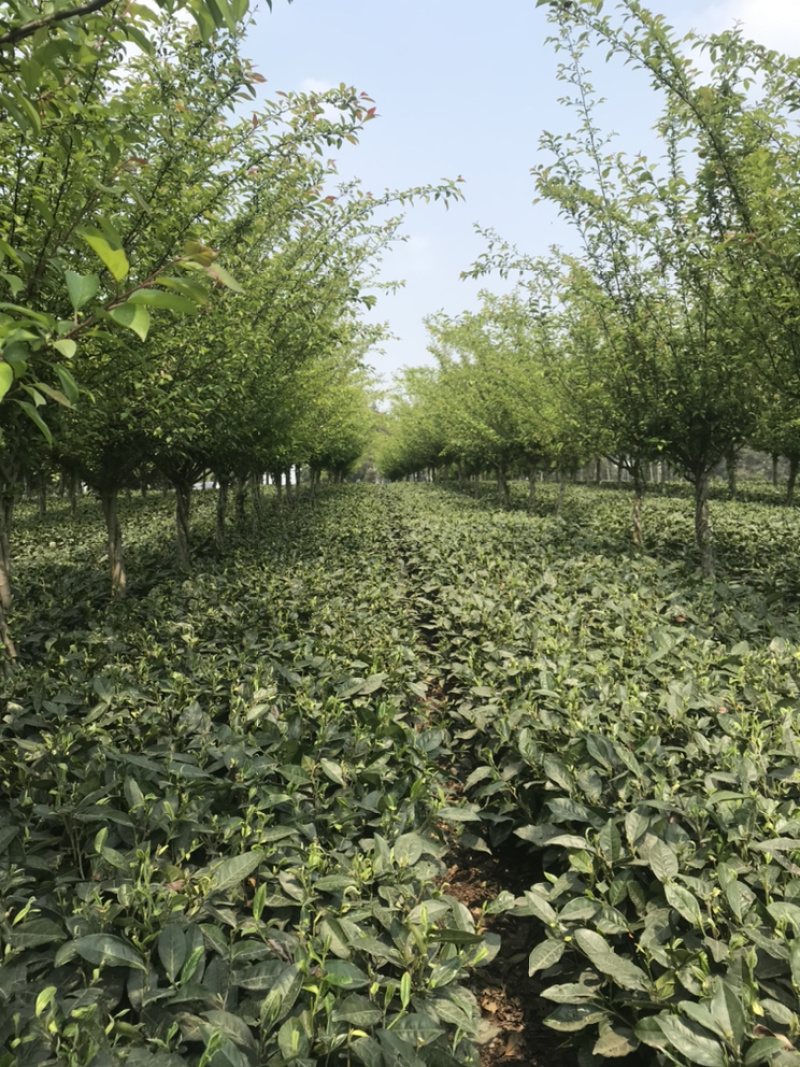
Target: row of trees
(132, 166)
(674, 333)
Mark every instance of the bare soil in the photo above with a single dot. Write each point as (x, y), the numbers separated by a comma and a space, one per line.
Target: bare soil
(508, 996)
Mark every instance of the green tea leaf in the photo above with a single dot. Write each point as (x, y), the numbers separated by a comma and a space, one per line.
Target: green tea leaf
(108, 950)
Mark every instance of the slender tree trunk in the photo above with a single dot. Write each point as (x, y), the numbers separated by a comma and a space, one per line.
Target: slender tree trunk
(183, 504)
(502, 485)
(562, 489)
(42, 496)
(731, 463)
(255, 494)
(461, 475)
(119, 580)
(239, 500)
(7, 502)
(277, 478)
(531, 488)
(221, 514)
(619, 474)
(775, 458)
(794, 462)
(639, 486)
(288, 476)
(702, 529)
(74, 487)
(598, 472)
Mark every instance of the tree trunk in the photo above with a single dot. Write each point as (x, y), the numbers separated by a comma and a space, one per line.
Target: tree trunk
(619, 474)
(7, 501)
(74, 487)
(239, 500)
(502, 485)
(598, 471)
(794, 462)
(702, 529)
(562, 488)
(221, 513)
(775, 458)
(42, 496)
(461, 475)
(277, 478)
(119, 580)
(288, 476)
(255, 495)
(639, 487)
(731, 463)
(531, 488)
(183, 503)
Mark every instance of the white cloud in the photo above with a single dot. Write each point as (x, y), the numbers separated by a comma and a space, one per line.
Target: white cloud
(775, 23)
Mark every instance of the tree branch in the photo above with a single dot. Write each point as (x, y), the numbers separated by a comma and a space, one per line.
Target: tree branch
(21, 32)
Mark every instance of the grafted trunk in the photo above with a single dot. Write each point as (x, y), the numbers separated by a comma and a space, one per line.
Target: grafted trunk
(702, 528)
(119, 581)
(639, 487)
(221, 514)
(183, 503)
(794, 462)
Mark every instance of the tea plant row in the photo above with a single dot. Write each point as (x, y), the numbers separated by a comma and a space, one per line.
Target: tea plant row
(636, 728)
(221, 818)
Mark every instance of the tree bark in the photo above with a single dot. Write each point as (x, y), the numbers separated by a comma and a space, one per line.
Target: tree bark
(639, 487)
(562, 488)
(239, 500)
(255, 494)
(775, 458)
(7, 502)
(794, 462)
(531, 488)
(702, 529)
(731, 463)
(74, 487)
(221, 514)
(183, 503)
(119, 580)
(502, 485)
(42, 496)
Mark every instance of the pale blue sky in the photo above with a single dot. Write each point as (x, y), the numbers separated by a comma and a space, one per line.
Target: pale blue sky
(465, 88)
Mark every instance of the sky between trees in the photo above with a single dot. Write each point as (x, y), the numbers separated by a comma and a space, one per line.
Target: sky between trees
(464, 88)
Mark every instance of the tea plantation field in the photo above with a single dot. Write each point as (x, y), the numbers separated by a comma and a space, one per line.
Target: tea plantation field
(226, 800)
